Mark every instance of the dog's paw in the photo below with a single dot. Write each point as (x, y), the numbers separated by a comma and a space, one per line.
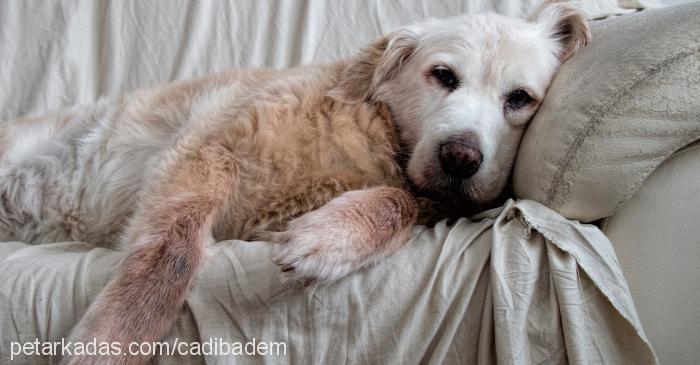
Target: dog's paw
(317, 255)
(324, 245)
(350, 231)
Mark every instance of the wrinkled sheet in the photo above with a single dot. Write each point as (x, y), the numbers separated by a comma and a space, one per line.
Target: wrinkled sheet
(518, 285)
(55, 54)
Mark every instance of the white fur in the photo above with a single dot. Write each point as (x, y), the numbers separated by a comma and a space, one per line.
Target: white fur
(78, 175)
(492, 56)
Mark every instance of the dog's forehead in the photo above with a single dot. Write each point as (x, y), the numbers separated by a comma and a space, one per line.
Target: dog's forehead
(493, 49)
(475, 31)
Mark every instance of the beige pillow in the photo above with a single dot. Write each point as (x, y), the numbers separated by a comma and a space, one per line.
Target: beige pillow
(615, 111)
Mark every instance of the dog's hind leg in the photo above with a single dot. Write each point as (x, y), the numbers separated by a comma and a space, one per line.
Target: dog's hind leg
(166, 239)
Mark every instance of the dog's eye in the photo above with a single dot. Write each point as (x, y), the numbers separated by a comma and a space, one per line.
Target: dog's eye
(518, 99)
(445, 77)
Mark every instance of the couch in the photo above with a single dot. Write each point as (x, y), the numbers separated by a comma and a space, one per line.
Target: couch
(605, 195)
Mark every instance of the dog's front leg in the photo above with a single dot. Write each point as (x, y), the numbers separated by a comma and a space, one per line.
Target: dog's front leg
(166, 240)
(348, 232)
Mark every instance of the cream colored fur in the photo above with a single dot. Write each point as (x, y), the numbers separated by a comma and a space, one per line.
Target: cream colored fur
(326, 159)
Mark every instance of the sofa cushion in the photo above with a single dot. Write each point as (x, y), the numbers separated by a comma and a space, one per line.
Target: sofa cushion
(615, 111)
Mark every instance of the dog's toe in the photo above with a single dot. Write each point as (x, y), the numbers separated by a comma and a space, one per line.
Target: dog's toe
(286, 268)
(315, 260)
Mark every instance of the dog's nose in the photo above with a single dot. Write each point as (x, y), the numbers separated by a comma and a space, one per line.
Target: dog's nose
(459, 160)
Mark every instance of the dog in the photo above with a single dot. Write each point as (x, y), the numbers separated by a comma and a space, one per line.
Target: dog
(331, 160)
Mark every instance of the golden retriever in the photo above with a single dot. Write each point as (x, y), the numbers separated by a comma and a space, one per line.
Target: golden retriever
(328, 159)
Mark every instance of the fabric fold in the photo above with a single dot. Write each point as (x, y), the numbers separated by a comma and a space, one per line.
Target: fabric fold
(516, 284)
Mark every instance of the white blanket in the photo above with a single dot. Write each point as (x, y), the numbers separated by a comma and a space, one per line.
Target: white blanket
(61, 53)
(520, 285)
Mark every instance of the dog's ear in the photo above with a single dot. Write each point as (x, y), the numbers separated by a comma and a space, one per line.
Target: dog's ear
(376, 63)
(565, 23)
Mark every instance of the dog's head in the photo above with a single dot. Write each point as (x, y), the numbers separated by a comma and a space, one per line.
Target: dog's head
(461, 91)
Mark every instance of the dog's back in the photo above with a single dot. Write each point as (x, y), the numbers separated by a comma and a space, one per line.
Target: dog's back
(79, 174)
